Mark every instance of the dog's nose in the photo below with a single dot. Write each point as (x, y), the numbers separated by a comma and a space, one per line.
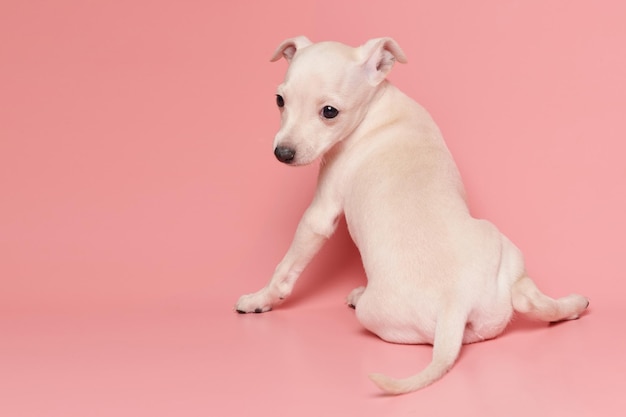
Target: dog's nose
(285, 154)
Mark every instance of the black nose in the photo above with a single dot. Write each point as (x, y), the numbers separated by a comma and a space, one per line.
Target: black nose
(285, 154)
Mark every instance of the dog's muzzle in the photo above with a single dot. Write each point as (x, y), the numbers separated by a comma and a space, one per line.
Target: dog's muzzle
(285, 154)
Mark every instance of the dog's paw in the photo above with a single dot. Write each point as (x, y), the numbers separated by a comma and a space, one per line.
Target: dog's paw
(258, 302)
(578, 304)
(353, 297)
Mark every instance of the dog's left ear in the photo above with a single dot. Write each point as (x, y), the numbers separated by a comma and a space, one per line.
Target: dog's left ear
(378, 56)
(289, 47)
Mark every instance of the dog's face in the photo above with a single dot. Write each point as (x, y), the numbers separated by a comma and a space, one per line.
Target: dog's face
(326, 92)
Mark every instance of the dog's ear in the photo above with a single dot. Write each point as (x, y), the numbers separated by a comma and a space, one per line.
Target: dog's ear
(289, 47)
(378, 57)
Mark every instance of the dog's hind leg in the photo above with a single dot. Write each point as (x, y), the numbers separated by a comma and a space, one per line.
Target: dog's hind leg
(354, 296)
(529, 300)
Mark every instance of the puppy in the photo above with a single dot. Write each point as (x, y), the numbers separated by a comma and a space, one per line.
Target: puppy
(435, 274)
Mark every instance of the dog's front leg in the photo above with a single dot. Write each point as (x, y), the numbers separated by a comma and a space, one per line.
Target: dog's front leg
(316, 226)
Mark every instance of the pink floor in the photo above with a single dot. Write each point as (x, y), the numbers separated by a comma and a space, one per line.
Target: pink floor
(139, 198)
(307, 360)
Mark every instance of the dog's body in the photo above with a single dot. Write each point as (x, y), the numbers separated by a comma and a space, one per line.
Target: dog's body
(435, 274)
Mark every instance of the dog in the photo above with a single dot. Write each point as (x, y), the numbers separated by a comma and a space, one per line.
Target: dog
(435, 274)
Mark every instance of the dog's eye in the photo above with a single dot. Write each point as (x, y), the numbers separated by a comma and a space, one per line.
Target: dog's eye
(329, 112)
(280, 101)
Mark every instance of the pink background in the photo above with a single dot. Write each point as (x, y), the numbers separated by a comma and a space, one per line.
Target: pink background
(139, 198)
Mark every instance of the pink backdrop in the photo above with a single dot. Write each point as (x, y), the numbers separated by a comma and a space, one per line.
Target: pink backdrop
(139, 198)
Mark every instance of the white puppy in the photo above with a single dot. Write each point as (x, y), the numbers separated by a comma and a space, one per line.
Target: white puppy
(435, 274)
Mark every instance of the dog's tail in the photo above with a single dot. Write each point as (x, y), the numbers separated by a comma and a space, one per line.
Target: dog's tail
(446, 347)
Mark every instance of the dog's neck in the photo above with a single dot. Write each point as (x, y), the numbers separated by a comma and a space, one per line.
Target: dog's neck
(377, 102)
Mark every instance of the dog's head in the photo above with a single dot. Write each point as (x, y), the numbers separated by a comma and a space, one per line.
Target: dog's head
(326, 93)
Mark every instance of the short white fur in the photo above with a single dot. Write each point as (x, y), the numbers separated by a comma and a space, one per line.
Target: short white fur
(436, 275)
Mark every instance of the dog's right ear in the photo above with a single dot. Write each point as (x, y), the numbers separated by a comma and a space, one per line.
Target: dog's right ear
(289, 47)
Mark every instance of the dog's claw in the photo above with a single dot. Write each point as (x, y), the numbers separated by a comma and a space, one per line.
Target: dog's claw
(256, 310)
